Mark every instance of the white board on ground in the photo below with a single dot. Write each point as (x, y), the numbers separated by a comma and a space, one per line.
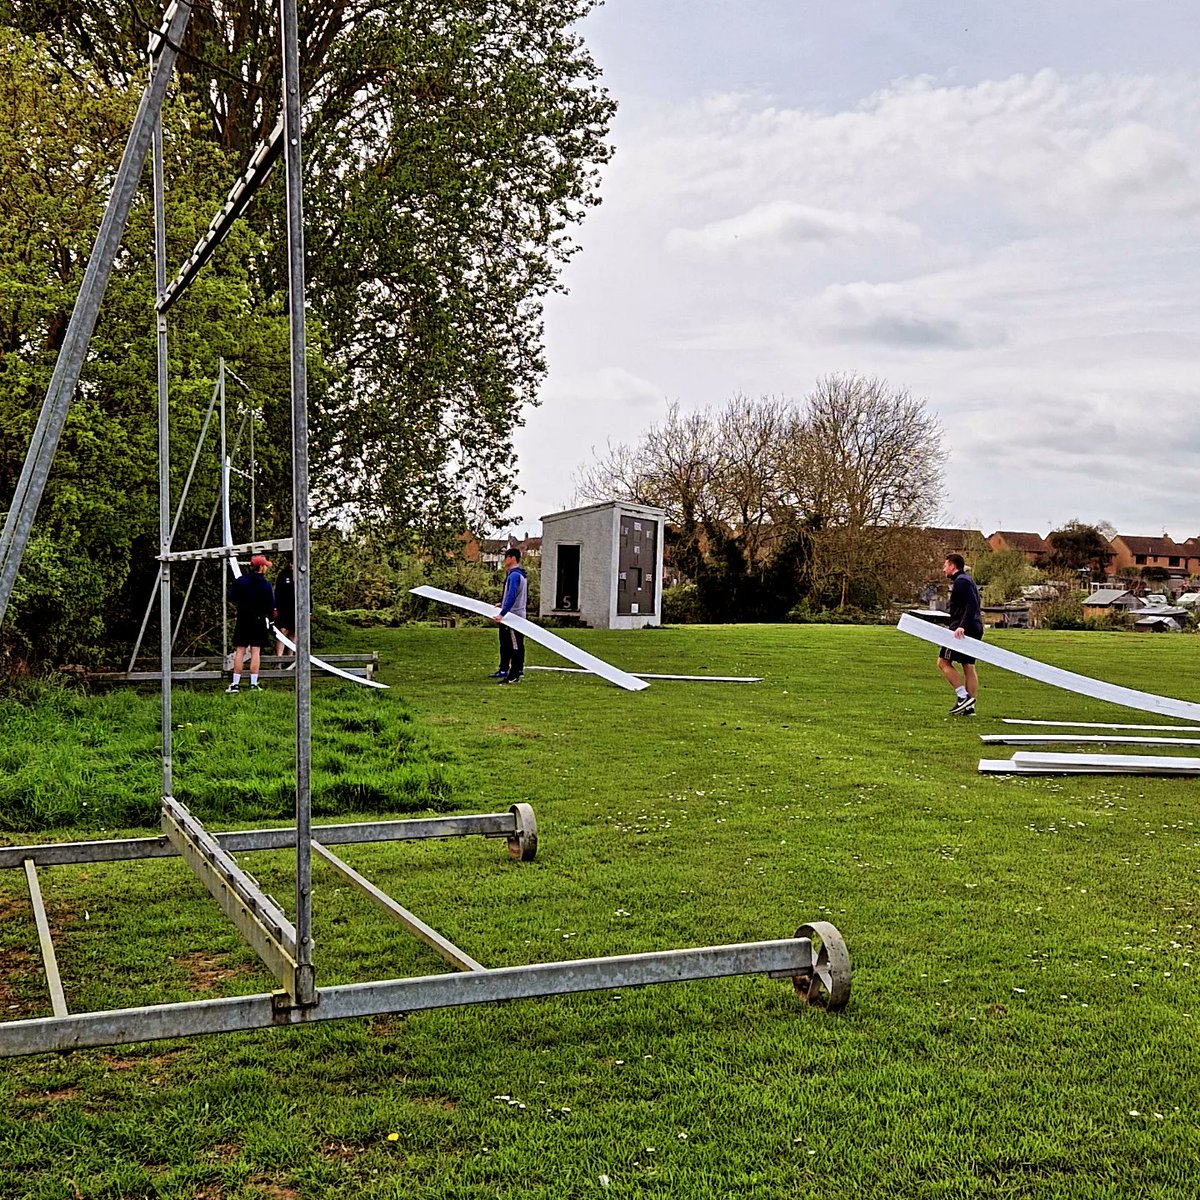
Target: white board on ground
(1102, 725)
(1157, 763)
(537, 634)
(1006, 766)
(646, 675)
(1072, 739)
(1055, 676)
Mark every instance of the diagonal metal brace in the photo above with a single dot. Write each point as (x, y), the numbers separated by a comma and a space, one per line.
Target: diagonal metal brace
(258, 919)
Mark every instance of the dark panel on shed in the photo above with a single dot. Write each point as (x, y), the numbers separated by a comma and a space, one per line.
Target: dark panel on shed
(636, 564)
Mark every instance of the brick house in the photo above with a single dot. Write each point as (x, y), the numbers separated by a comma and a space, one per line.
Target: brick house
(1033, 546)
(1132, 554)
(970, 543)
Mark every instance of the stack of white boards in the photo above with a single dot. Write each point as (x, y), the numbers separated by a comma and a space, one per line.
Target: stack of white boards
(1029, 763)
(1032, 763)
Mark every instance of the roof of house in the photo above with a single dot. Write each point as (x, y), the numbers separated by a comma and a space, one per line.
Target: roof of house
(1151, 547)
(1158, 618)
(1103, 597)
(1025, 542)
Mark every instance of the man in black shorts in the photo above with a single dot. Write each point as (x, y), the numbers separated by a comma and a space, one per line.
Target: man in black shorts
(966, 620)
(252, 596)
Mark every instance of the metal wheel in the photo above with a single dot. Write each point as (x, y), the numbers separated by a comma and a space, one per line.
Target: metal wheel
(827, 984)
(523, 844)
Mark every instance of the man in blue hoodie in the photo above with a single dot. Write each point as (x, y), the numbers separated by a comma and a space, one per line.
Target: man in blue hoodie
(512, 643)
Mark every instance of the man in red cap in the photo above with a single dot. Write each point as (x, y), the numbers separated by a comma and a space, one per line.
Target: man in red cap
(252, 597)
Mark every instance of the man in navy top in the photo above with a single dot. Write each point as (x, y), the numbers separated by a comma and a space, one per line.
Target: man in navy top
(512, 643)
(253, 598)
(966, 620)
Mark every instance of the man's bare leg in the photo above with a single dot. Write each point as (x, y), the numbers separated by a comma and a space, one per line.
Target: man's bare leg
(949, 670)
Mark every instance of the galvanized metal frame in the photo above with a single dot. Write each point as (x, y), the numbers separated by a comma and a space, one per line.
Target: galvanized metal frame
(815, 959)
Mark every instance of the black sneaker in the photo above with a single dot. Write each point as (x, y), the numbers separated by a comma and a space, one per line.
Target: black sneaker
(256, 687)
(512, 679)
(233, 688)
(498, 675)
(963, 707)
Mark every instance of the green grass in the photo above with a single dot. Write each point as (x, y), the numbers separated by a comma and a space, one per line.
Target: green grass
(1022, 947)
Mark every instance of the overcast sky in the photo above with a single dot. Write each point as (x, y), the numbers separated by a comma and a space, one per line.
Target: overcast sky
(994, 204)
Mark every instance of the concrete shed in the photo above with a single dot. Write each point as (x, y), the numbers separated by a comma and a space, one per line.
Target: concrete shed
(603, 565)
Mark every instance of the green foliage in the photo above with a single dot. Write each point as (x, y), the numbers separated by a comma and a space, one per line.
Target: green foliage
(1001, 576)
(1066, 613)
(805, 614)
(90, 564)
(734, 585)
(449, 150)
(1079, 547)
(67, 760)
(681, 605)
(366, 578)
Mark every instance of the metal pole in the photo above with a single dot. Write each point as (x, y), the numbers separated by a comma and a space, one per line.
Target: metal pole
(306, 987)
(36, 469)
(187, 486)
(164, 454)
(212, 517)
(224, 499)
(253, 468)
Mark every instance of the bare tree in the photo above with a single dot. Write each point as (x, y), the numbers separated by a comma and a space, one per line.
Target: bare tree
(866, 462)
(858, 465)
(676, 466)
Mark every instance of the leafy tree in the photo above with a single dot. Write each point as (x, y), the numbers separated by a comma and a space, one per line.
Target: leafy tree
(1001, 576)
(97, 536)
(842, 481)
(450, 146)
(1078, 547)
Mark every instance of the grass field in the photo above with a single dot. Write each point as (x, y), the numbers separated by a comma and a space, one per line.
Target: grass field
(1024, 1014)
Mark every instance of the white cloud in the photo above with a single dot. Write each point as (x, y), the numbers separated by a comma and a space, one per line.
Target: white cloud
(1034, 146)
(780, 223)
(1021, 251)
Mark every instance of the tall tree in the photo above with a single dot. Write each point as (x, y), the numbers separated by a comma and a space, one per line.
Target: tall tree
(838, 486)
(450, 146)
(1079, 547)
(97, 531)
(867, 463)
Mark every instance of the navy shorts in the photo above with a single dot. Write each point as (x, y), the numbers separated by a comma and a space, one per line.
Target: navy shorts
(952, 656)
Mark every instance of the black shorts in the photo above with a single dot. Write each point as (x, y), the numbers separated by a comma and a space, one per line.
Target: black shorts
(252, 631)
(952, 656)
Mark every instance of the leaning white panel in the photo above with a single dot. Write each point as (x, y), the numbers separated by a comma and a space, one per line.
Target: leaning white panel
(536, 633)
(1071, 739)
(1055, 676)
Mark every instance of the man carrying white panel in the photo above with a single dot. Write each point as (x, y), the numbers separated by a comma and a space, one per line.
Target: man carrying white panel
(966, 620)
(512, 641)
